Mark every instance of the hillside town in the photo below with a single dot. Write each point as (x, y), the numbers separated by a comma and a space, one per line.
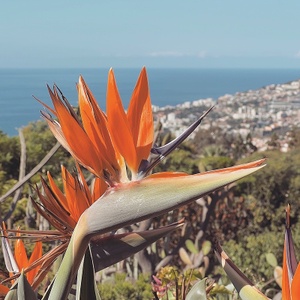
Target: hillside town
(271, 110)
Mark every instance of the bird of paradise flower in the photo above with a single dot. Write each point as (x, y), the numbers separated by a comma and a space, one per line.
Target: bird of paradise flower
(117, 147)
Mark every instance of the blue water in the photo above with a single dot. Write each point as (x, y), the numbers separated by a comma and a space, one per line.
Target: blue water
(167, 87)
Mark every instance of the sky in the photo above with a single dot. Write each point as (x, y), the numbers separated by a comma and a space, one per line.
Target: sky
(154, 33)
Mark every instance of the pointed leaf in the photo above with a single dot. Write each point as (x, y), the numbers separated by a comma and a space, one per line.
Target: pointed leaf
(198, 291)
(136, 201)
(9, 259)
(13, 293)
(161, 152)
(86, 287)
(21, 290)
(243, 285)
(112, 249)
(24, 289)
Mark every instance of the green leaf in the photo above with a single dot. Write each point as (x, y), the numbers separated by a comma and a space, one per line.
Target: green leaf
(185, 257)
(21, 290)
(206, 247)
(243, 285)
(191, 246)
(198, 291)
(271, 259)
(12, 294)
(114, 248)
(86, 288)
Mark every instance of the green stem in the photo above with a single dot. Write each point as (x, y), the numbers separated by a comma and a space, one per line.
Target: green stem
(68, 269)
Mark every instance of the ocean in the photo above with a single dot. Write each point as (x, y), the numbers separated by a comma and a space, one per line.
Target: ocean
(167, 87)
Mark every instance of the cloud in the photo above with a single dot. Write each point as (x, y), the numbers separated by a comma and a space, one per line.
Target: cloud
(166, 54)
(200, 54)
(297, 54)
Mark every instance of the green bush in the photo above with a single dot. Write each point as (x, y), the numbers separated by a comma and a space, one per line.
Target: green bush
(121, 288)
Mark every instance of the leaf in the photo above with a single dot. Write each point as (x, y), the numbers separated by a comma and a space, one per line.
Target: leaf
(185, 257)
(191, 246)
(25, 292)
(112, 249)
(271, 259)
(278, 275)
(198, 291)
(206, 247)
(243, 285)
(140, 200)
(159, 153)
(21, 290)
(86, 288)
(9, 259)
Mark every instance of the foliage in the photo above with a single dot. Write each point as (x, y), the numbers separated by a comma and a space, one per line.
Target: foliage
(119, 287)
(39, 141)
(9, 161)
(268, 192)
(248, 220)
(249, 253)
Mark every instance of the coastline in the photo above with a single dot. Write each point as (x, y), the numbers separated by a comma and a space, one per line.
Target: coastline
(170, 88)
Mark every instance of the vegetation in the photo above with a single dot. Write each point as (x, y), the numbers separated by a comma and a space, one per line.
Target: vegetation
(247, 218)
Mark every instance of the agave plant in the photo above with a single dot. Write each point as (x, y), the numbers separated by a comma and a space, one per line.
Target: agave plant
(118, 148)
(290, 271)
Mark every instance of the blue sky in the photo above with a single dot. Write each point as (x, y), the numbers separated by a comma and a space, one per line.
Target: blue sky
(156, 33)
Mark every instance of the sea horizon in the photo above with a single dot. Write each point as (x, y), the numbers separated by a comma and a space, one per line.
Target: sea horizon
(168, 86)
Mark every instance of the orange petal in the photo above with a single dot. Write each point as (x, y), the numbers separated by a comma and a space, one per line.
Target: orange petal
(118, 125)
(167, 174)
(76, 137)
(36, 254)
(3, 290)
(296, 284)
(21, 255)
(140, 117)
(98, 188)
(286, 293)
(95, 124)
(53, 204)
(57, 192)
(84, 187)
(77, 199)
